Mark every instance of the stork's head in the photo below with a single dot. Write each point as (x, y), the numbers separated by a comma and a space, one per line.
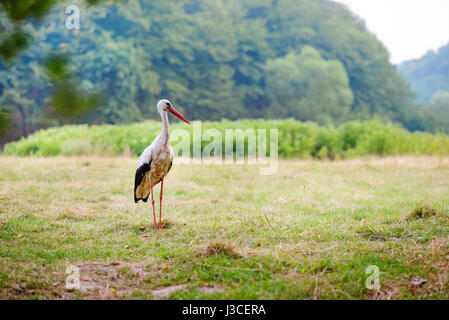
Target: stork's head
(166, 106)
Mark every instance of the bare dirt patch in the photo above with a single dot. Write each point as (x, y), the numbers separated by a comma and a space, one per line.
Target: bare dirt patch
(107, 281)
(119, 280)
(388, 292)
(164, 293)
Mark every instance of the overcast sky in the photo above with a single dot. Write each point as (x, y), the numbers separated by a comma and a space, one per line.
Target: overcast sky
(408, 28)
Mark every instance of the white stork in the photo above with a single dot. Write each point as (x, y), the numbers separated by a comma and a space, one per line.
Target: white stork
(155, 161)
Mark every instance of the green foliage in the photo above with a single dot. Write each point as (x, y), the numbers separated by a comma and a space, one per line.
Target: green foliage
(21, 10)
(307, 87)
(296, 139)
(439, 107)
(56, 66)
(215, 59)
(432, 117)
(70, 102)
(4, 120)
(13, 44)
(429, 74)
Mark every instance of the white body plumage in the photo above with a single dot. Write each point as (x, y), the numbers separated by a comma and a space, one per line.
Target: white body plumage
(156, 160)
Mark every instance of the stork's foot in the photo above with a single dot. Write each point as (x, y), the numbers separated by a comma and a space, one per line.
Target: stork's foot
(159, 227)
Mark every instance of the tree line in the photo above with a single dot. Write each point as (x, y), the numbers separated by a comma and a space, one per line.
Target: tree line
(215, 59)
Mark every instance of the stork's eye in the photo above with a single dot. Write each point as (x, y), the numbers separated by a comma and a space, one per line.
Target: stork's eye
(168, 105)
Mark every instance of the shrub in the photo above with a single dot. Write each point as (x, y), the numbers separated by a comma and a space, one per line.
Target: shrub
(296, 139)
(422, 212)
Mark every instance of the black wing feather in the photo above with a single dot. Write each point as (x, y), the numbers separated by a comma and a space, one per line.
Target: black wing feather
(140, 174)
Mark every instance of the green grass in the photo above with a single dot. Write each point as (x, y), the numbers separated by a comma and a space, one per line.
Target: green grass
(308, 232)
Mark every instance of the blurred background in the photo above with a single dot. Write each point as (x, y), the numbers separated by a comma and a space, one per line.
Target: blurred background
(328, 62)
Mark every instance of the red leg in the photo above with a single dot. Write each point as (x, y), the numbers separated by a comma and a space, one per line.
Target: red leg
(160, 208)
(152, 203)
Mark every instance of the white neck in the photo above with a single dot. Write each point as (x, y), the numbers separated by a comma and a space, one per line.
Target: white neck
(165, 126)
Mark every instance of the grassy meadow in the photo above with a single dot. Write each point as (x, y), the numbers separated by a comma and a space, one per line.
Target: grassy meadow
(308, 232)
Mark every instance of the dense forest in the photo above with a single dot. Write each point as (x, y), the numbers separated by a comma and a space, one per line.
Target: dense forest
(215, 59)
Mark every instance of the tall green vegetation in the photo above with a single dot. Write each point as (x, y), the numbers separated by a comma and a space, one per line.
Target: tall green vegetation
(214, 59)
(296, 139)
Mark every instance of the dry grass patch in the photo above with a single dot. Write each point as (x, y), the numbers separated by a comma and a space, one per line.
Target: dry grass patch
(222, 247)
(423, 211)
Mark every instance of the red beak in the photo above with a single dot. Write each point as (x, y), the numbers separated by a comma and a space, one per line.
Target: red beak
(176, 113)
